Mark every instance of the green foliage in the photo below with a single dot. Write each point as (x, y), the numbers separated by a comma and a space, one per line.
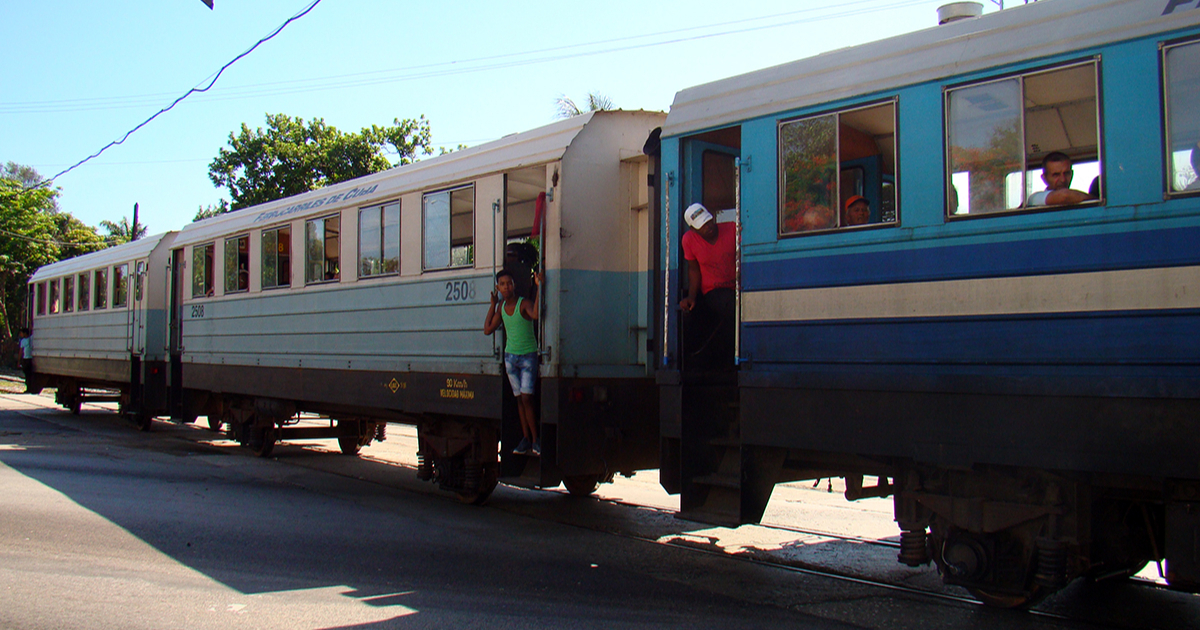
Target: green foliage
(293, 156)
(121, 232)
(565, 107)
(33, 232)
(212, 210)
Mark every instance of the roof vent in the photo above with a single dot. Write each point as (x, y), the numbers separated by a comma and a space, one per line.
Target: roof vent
(956, 11)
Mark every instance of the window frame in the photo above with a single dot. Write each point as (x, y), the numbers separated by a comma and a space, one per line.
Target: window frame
(838, 112)
(68, 294)
(208, 277)
(120, 288)
(450, 241)
(235, 268)
(336, 276)
(1027, 167)
(1164, 47)
(383, 242)
(53, 297)
(85, 291)
(274, 255)
(100, 289)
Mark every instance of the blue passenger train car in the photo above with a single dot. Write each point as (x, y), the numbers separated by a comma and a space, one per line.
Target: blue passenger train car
(1023, 377)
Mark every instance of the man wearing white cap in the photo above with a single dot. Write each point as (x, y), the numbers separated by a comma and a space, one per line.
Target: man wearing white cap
(710, 249)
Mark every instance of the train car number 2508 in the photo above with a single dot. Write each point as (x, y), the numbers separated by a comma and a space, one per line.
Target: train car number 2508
(460, 291)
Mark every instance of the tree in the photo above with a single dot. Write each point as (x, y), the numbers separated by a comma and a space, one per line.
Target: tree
(596, 102)
(33, 232)
(121, 232)
(293, 156)
(211, 210)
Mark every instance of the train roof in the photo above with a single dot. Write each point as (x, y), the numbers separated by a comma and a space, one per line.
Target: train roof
(537, 146)
(140, 248)
(1013, 35)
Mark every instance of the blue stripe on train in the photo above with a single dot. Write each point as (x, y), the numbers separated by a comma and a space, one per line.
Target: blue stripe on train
(1111, 354)
(1127, 250)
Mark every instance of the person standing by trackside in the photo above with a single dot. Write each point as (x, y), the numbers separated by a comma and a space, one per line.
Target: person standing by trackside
(518, 315)
(25, 346)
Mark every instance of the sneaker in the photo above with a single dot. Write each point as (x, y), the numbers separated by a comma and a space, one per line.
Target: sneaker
(536, 451)
(522, 448)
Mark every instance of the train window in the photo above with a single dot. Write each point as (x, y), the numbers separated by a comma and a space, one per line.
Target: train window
(139, 281)
(41, 298)
(85, 296)
(237, 264)
(120, 285)
(68, 294)
(833, 160)
(1000, 132)
(1181, 80)
(379, 240)
(202, 270)
(53, 288)
(101, 289)
(277, 257)
(322, 247)
(449, 228)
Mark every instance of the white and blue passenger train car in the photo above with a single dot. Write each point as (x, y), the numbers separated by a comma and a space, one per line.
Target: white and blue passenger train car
(364, 302)
(100, 323)
(1023, 379)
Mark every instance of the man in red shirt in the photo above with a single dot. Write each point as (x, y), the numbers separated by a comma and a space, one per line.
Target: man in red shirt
(710, 249)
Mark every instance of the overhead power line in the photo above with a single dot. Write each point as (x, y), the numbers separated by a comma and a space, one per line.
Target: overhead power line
(477, 64)
(168, 108)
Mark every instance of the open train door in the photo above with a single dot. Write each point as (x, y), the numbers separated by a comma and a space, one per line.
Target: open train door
(175, 335)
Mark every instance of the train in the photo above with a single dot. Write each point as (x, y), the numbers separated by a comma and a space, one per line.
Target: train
(1021, 379)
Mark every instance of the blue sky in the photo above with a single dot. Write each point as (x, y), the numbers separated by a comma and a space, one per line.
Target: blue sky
(82, 73)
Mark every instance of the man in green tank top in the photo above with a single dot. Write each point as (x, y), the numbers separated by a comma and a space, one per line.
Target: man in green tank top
(517, 315)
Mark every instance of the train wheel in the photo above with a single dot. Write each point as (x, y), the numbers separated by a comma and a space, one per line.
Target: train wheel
(487, 485)
(142, 420)
(214, 423)
(581, 485)
(262, 440)
(75, 405)
(1005, 600)
(349, 445)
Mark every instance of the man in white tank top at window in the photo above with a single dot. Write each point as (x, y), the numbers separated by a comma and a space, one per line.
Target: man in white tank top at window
(1057, 174)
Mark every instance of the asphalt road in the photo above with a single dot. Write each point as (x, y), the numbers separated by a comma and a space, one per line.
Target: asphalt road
(105, 527)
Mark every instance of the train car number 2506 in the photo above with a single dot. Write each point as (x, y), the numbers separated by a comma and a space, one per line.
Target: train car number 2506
(460, 291)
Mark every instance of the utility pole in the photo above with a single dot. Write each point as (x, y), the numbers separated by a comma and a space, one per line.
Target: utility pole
(133, 229)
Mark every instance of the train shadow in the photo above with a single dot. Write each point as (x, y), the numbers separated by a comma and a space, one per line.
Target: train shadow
(386, 540)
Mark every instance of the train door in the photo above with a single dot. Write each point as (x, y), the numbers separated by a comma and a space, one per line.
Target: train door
(175, 335)
(520, 214)
(710, 175)
(136, 335)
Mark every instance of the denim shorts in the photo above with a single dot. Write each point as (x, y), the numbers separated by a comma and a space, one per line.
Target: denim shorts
(522, 371)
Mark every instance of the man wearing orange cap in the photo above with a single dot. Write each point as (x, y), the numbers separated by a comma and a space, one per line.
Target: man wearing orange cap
(710, 249)
(858, 211)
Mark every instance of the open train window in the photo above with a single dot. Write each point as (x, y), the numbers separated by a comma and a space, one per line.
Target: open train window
(68, 294)
(277, 257)
(1001, 133)
(379, 240)
(826, 161)
(101, 289)
(53, 288)
(139, 281)
(120, 285)
(449, 228)
(41, 298)
(237, 264)
(323, 249)
(1181, 81)
(85, 295)
(202, 270)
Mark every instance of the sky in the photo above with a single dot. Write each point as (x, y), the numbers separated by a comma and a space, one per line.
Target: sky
(83, 73)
